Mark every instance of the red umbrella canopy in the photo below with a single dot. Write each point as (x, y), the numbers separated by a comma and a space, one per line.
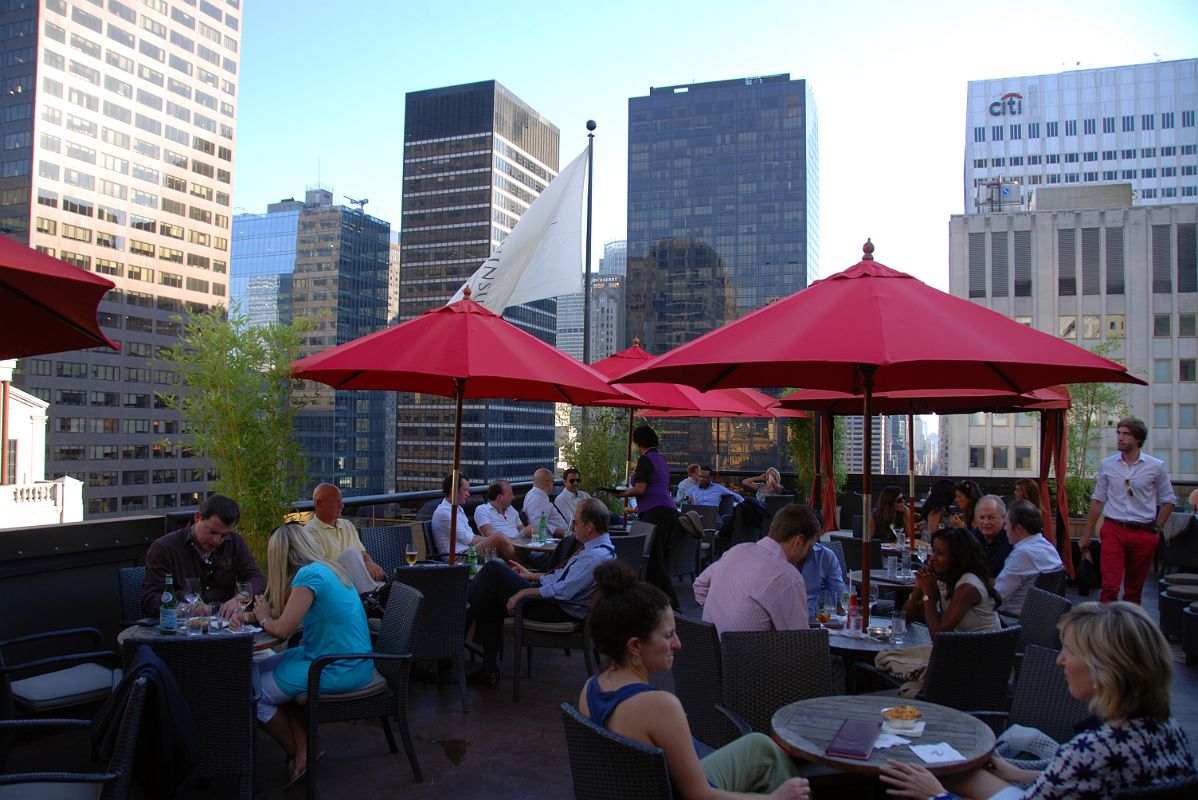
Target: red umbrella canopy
(47, 305)
(463, 342)
(915, 337)
(769, 405)
(931, 401)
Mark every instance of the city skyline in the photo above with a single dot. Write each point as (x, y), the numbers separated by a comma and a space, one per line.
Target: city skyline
(890, 82)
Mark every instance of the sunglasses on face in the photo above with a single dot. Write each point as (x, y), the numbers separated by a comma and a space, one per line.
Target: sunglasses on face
(574, 480)
(1127, 483)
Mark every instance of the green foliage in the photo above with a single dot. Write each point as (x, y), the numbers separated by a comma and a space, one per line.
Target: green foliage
(598, 447)
(237, 408)
(1093, 404)
(800, 447)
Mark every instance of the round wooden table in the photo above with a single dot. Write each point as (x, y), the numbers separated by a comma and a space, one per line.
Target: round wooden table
(262, 639)
(806, 727)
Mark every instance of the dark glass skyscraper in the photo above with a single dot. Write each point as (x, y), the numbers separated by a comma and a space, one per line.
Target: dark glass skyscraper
(723, 218)
(313, 259)
(475, 157)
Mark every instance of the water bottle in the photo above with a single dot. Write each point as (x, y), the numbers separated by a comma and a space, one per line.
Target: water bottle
(542, 530)
(168, 613)
(472, 560)
(850, 624)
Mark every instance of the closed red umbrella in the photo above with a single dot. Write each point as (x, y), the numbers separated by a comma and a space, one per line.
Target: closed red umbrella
(460, 350)
(47, 305)
(868, 329)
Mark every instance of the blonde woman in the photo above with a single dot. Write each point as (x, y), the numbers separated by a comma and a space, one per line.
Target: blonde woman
(767, 483)
(304, 588)
(1115, 658)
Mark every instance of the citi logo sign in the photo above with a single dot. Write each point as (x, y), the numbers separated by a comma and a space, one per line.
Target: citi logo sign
(1010, 104)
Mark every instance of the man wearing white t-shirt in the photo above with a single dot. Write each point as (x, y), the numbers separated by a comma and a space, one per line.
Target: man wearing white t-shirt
(496, 516)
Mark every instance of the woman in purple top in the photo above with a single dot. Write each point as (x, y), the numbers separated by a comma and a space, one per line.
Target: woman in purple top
(655, 505)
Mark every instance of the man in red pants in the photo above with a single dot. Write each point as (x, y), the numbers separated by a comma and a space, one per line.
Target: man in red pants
(1134, 491)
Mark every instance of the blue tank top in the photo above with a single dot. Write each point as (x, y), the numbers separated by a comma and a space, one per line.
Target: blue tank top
(601, 704)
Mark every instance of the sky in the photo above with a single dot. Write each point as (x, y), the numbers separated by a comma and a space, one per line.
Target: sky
(322, 89)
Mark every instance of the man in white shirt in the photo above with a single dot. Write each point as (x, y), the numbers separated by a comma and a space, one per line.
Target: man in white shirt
(1134, 491)
(443, 515)
(571, 495)
(496, 516)
(687, 483)
(537, 502)
(1031, 556)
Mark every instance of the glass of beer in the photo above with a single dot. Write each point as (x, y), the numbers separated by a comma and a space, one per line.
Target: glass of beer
(411, 554)
(823, 608)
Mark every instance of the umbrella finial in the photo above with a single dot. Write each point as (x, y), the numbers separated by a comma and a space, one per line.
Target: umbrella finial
(636, 342)
(466, 292)
(868, 250)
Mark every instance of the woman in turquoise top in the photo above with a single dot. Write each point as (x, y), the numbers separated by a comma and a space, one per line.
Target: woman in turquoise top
(633, 625)
(318, 595)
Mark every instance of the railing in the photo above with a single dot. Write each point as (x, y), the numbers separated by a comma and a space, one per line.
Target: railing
(41, 503)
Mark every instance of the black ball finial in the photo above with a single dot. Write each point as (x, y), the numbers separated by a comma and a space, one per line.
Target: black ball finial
(591, 125)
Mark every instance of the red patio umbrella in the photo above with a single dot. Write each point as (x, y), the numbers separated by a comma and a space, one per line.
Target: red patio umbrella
(47, 305)
(867, 329)
(460, 350)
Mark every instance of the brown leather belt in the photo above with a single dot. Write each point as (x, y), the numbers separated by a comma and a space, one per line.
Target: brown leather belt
(1134, 526)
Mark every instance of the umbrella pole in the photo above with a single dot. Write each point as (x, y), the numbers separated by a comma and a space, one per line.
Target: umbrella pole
(460, 386)
(911, 479)
(867, 385)
(628, 464)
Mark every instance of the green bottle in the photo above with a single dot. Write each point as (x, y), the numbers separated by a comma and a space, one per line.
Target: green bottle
(542, 530)
(472, 560)
(168, 611)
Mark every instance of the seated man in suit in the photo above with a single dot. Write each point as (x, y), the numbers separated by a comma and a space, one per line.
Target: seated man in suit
(1031, 556)
(497, 588)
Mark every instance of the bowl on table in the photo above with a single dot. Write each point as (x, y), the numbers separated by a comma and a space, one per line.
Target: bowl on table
(902, 717)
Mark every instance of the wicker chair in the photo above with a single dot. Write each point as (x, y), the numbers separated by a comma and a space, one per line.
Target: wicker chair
(648, 530)
(1042, 700)
(115, 782)
(684, 554)
(1053, 581)
(530, 633)
(631, 550)
(852, 553)
(387, 545)
(441, 628)
(838, 548)
(55, 683)
(131, 579)
(1041, 612)
(607, 766)
(760, 675)
(698, 681)
(430, 548)
(214, 674)
(384, 697)
(1180, 789)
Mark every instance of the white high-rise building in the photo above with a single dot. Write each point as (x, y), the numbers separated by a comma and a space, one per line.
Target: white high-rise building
(117, 121)
(1131, 124)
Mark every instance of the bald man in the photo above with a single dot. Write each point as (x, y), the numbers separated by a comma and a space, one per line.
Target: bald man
(339, 538)
(537, 502)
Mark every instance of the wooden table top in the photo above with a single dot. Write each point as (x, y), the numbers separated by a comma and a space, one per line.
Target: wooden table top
(806, 727)
(262, 639)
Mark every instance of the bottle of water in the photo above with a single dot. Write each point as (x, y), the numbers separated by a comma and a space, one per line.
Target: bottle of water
(542, 530)
(168, 613)
(472, 560)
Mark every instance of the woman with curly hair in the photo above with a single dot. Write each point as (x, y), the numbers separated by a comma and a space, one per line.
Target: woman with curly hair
(955, 591)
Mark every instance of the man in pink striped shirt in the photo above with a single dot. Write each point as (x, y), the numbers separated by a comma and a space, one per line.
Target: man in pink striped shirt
(755, 587)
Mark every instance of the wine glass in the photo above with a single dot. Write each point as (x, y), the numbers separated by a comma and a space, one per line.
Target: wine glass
(191, 590)
(411, 554)
(874, 593)
(245, 593)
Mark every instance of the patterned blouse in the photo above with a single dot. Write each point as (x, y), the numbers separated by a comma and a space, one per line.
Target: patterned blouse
(1104, 758)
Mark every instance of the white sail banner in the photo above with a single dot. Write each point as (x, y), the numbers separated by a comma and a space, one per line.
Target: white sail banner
(542, 256)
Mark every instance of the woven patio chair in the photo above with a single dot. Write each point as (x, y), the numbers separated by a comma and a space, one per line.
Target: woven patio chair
(1038, 619)
(698, 681)
(130, 581)
(631, 550)
(765, 670)
(55, 683)
(441, 628)
(387, 545)
(607, 766)
(1053, 581)
(530, 633)
(648, 530)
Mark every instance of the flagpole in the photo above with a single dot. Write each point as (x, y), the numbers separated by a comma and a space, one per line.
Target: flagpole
(586, 284)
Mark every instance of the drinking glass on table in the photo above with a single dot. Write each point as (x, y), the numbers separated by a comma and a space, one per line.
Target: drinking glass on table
(191, 591)
(823, 607)
(245, 593)
(411, 554)
(898, 628)
(215, 622)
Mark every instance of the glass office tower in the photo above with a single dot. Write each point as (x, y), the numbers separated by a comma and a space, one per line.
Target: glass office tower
(475, 157)
(116, 155)
(723, 218)
(330, 263)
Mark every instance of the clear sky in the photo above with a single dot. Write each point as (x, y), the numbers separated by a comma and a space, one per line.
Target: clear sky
(322, 89)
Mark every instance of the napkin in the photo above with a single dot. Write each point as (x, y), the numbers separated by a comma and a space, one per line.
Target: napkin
(941, 753)
(889, 740)
(914, 732)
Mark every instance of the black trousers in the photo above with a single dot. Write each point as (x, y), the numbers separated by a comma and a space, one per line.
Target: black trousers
(656, 571)
(488, 594)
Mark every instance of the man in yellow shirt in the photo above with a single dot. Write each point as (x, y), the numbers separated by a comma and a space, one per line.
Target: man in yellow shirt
(339, 538)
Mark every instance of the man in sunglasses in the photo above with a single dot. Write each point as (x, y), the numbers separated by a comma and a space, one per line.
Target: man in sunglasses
(205, 548)
(1134, 491)
(571, 495)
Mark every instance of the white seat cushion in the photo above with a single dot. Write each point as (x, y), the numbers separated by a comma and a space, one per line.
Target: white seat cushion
(552, 627)
(82, 683)
(50, 791)
(377, 685)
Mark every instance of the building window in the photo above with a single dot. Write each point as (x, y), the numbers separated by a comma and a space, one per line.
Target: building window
(1162, 325)
(1023, 458)
(1162, 415)
(999, 457)
(1091, 326)
(1162, 370)
(1186, 459)
(1129, 123)
(1067, 326)
(1071, 127)
(977, 458)
(1166, 119)
(979, 134)
(1186, 324)
(1108, 124)
(1000, 420)
(1050, 130)
(1186, 370)
(1146, 121)
(1016, 132)
(977, 419)
(996, 133)
(1187, 415)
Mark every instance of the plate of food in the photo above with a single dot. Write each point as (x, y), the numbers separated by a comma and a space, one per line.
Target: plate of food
(902, 717)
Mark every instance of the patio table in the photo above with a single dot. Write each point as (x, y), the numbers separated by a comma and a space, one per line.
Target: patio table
(262, 639)
(806, 728)
(900, 586)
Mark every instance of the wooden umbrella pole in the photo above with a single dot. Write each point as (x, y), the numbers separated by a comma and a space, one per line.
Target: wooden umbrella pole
(867, 386)
(460, 387)
(911, 479)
